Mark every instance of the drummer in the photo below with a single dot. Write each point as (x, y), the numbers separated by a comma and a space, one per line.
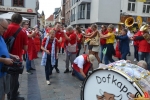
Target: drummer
(82, 64)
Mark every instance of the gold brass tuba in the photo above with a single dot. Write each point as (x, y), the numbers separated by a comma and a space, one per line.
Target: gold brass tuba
(129, 22)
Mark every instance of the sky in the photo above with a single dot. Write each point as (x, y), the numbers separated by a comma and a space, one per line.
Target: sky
(48, 6)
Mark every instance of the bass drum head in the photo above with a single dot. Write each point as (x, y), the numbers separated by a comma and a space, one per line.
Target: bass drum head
(108, 85)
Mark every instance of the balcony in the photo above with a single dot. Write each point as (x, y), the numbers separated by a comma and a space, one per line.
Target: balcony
(84, 1)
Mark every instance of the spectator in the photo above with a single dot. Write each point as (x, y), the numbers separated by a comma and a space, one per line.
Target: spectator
(4, 77)
(19, 44)
(31, 52)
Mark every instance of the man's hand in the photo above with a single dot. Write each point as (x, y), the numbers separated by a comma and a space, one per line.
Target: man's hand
(15, 57)
(131, 38)
(8, 61)
(47, 51)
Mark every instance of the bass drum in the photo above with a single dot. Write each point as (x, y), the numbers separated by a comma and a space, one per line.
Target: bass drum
(113, 84)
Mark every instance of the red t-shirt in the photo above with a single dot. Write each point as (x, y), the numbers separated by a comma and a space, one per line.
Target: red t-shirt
(80, 36)
(49, 46)
(20, 41)
(58, 34)
(144, 46)
(73, 38)
(103, 41)
(89, 30)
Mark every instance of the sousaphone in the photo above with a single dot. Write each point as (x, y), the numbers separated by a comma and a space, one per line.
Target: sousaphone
(129, 22)
(139, 21)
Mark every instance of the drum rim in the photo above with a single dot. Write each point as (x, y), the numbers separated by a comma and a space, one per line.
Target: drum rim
(113, 70)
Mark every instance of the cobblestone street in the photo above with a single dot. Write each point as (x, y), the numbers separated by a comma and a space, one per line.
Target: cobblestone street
(63, 86)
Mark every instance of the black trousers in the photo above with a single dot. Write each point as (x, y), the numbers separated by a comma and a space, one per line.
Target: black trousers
(14, 86)
(56, 65)
(79, 48)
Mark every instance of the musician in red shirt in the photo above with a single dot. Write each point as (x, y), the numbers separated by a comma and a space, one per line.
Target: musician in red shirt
(19, 44)
(144, 46)
(71, 46)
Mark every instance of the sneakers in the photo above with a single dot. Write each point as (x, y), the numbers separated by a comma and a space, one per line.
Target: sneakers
(48, 82)
(29, 72)
(66, 71)
(135, 59)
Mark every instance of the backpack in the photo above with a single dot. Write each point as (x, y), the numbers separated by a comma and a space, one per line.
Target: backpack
(10, 41)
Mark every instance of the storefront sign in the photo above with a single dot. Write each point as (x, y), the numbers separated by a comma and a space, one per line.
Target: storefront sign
(17, 9)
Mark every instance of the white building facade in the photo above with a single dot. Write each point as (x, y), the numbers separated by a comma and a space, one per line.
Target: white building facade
(135, 8)
(86, 12)
(27, 8)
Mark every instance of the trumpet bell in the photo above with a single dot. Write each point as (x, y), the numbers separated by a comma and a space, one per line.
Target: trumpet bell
(129, 22)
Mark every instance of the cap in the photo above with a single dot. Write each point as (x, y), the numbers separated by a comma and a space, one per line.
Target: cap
(91, 58)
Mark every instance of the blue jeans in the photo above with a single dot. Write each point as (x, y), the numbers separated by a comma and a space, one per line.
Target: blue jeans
(102, 55)
(107, 59)
(124, 55)
(145, 56)
(101, 52)
(78, 75)
(136, 52)
(28, 63)
(48, 67)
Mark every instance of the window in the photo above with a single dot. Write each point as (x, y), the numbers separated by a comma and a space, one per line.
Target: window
(1, 2)
(73, 14)
(146, 7)
(81, 11)
(18, 3)
(88, 10)
(131, 5)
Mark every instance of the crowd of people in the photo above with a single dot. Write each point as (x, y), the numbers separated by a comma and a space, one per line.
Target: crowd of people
(52, 41)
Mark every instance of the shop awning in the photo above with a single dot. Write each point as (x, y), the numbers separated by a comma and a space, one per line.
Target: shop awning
(8, 16)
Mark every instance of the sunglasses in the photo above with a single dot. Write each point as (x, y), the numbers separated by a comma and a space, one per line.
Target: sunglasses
(3, 27)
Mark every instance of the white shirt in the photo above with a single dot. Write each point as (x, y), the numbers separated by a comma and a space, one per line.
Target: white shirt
(129, 34)
(79, 61)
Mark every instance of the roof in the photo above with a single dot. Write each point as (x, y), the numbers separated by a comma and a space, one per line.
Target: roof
(50, 18)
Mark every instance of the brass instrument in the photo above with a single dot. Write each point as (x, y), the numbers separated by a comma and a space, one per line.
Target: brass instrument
(129, 22)
(139, 21)
(146, 34)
